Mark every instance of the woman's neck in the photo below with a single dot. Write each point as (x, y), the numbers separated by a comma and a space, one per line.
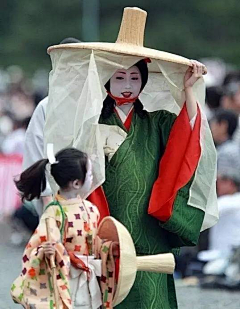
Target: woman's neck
(125, 108)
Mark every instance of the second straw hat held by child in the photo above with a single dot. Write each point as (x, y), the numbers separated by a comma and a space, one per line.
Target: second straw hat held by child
(73, 225)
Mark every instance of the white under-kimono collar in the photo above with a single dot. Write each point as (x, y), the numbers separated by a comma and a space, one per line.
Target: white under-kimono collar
(122, 115)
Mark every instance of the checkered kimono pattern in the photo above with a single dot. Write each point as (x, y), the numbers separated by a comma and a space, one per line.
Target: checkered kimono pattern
(34, 287)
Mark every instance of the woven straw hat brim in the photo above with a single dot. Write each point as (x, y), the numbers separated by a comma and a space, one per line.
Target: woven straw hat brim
(129, 41)
(125, 49)
(113, 230)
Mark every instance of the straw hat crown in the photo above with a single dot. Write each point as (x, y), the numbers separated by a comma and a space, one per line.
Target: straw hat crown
(132, 27)
(129, 41)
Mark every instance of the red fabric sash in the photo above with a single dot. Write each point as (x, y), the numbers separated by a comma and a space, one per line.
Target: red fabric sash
(98, 198)
(128, 121)
(121, 101)
(77, 262)
(177, 165)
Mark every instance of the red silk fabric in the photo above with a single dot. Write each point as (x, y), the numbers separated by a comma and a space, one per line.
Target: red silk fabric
(77, 262)
(98, 198)
(184, 149)
(128, 121)
(177, 165)
(121, 101)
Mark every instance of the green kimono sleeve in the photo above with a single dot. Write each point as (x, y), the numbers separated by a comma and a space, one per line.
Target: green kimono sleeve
(185, 222)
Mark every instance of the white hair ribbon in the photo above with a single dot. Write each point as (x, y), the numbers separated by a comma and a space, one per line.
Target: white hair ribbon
(50, 154)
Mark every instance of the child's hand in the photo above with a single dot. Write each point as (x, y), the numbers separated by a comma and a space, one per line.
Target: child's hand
(48, 249)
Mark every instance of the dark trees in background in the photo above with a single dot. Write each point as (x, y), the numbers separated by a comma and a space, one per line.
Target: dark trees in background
(194, 29)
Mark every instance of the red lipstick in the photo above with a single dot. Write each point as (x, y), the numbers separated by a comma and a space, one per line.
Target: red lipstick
(127, 94)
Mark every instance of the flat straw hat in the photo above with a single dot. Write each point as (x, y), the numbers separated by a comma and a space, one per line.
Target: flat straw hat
(129, 41)
(113, 230)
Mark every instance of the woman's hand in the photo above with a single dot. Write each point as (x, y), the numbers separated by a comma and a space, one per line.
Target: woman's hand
(193, 74)
(48, 249)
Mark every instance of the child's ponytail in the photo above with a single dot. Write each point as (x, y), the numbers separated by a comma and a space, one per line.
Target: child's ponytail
(32, 181)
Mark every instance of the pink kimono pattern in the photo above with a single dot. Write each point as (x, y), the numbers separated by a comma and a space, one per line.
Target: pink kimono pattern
(34, 287)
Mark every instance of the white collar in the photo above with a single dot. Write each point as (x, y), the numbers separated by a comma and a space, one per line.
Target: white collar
(122, 115)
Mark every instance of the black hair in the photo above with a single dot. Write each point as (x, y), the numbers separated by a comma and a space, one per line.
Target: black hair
(109, 103)
(213, 97)
(70, 40)
(71, 165)
(231, 83)
(231, 77)
(23, 123)
(229, 117)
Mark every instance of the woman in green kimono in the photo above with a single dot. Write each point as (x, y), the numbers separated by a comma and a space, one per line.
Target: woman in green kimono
(155, 178)
(151, 202)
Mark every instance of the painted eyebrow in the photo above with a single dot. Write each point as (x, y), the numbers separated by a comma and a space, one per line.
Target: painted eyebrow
(125, 73)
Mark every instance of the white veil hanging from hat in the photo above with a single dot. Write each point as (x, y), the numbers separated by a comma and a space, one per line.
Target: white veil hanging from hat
(76, 94)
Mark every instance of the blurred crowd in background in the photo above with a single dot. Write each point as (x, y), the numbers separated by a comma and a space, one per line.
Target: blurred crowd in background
(215, 262)
(19, 96)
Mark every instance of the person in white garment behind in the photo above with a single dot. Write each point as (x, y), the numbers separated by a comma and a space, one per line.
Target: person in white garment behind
(224, 236)
(34, 146)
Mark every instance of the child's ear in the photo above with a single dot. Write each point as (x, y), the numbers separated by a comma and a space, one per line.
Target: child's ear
(77, 184)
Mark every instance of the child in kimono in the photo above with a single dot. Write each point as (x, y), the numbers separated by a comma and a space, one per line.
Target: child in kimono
(73, 224)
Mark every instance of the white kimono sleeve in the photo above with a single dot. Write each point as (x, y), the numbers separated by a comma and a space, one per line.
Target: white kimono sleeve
(33, 146)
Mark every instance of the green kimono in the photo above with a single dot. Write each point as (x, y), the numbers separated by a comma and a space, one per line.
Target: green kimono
(130, 176)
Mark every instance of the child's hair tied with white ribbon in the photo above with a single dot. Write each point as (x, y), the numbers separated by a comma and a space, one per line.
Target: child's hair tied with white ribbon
(50, 154)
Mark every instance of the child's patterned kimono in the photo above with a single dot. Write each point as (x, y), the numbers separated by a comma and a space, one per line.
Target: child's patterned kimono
(34, 287)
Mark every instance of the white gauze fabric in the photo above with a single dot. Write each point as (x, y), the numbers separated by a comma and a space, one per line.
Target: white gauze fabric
(76, 95)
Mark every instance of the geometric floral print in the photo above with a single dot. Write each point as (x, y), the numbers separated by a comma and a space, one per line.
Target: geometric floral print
(34, 287)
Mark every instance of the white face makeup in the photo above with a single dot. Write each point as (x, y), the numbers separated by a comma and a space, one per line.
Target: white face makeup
(126, 83)
(88, 180)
